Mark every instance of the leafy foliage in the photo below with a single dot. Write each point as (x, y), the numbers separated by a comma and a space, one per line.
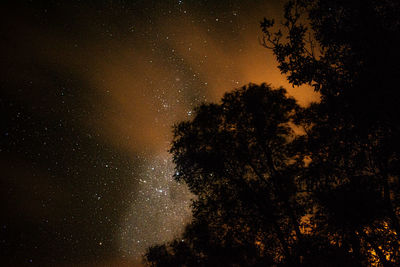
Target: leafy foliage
(347, 51)
(266, 196)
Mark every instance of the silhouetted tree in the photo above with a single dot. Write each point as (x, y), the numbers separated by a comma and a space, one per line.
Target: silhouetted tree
(329, 196)
(347, 51)
(237, 159)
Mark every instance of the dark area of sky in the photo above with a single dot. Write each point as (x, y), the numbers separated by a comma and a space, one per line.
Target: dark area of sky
(89, 92)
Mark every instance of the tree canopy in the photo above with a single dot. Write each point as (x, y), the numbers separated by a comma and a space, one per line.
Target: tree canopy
(327, 194)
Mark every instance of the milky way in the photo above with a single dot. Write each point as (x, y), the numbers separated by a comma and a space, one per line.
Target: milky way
(89, 96)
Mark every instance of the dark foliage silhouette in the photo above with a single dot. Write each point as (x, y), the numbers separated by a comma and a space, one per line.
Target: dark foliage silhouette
(328, 195)
(347, 51)
(235, 157)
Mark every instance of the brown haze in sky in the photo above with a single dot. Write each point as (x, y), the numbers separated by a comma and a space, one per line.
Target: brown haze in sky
(146, 69)
(135, 81)
(133, 77)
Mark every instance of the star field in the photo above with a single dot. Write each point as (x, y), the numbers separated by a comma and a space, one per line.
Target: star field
(89, 94)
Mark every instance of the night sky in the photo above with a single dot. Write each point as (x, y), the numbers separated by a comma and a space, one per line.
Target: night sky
(89, 93)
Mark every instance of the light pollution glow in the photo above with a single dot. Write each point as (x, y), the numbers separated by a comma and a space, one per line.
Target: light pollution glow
(153, 78)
